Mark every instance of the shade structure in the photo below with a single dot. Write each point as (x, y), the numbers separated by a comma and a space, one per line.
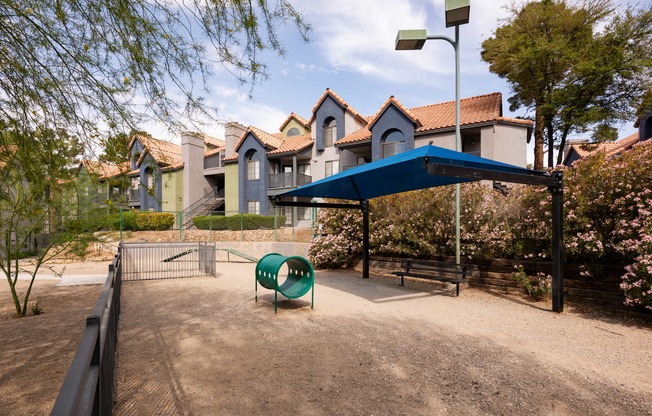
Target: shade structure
(427, 167)
(403, 172)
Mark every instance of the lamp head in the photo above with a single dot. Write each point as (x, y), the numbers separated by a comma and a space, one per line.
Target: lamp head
(407, 40)
(457, 12)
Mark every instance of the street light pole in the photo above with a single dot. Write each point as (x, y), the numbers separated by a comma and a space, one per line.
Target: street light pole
(414, 39)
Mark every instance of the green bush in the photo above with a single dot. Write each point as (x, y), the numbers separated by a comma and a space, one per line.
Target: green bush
(207, 222)
(154, 221)
(141, 221)
(253, 222)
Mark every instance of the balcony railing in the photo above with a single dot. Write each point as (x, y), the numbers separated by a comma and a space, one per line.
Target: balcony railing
(134, 195)
(284, 180)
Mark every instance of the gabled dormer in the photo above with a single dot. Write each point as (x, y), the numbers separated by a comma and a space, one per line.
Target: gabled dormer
(332, 119)
(295, 125)
(392, 129)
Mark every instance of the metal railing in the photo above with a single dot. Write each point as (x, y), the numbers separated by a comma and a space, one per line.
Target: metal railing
(284, 180)
(88, 388)
(145, 261)
(210, 194)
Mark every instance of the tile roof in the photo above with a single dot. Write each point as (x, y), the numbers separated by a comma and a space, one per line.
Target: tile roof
(357, 136)
(473, 110)
(293, 144)
(305, 123)
(103, 169)
(212, 141)
(343, 103)
(393, 101)
(609, 148)
(273, 141)
(164, 153)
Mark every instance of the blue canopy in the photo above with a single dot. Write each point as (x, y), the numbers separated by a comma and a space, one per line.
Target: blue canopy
(403, 172)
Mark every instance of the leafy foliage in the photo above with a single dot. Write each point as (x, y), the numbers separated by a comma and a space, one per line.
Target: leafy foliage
(607, 210)
(572, 74)
(75, 65)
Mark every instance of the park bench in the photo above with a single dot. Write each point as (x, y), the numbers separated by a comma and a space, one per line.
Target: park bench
(435, 270)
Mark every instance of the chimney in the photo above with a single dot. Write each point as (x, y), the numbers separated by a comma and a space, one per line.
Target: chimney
(233, 132)
(194, 182)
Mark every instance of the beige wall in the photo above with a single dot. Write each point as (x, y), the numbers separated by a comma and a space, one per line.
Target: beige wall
(505, 143)
(445, 140)
(231, 203)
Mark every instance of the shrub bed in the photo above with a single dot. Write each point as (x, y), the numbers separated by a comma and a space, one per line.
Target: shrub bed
(238, 222)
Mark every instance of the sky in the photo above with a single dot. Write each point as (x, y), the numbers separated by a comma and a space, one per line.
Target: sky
(351, 51)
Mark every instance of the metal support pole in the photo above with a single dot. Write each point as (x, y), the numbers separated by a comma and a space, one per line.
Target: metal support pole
(557, 243)
(365, 238)
(458, 141)
(458, 135)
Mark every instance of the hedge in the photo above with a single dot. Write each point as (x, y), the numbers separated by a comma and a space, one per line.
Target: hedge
(141, 221)
(238, 222)
(203, 222)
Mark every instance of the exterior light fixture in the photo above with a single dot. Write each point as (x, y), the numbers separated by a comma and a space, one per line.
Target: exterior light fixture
(457, 12)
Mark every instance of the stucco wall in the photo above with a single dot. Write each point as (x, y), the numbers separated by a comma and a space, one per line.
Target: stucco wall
(172, 191)
(294, 124)
(391, 119)
(253, 190)
(231, 195)
(505, 143)
(445, 140)
(328, 108)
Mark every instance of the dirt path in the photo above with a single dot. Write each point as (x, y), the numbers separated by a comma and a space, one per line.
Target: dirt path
(202, 346)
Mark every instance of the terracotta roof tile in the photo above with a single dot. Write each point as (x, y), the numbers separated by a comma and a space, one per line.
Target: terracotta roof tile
(391, 100)
(305, 123)
(268, 140)
(293, 144)
(212, 141)
(608, 148)
(357, 136)
(343, 103)
(473, 110)
(103, 169)
(165, 153)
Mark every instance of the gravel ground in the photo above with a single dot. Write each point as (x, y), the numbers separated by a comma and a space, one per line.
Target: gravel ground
(202, 346)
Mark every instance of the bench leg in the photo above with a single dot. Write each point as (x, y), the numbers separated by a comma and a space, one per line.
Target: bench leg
(402, 281)
(457, 289)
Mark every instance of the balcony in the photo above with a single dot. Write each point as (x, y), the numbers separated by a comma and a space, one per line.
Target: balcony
(284, 180)
(134, 197)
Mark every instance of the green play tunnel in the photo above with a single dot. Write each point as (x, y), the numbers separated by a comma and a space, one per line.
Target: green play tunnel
(299, 280)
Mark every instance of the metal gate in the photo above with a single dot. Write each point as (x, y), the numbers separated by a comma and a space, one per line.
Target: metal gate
(144, 261)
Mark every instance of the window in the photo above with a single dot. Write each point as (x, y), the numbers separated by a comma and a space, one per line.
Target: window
(332, 167)
(293, 132)
(253, 207)
(304, 169)
(253, 167)
(330, 132)
(393, 143)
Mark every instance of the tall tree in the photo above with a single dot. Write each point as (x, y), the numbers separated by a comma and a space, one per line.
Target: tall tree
(572, 75)
(78, 65)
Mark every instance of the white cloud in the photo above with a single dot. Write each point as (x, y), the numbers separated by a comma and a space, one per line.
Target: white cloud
(359, 37)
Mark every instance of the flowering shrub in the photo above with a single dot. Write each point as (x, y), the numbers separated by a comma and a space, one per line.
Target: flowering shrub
(340, 239)
(607, 209)
(637, 282)
(537, 287)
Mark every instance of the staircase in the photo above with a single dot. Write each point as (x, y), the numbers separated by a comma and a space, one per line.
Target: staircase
(211, 200)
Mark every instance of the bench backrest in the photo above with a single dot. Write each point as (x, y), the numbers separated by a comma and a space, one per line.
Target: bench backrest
(437, 266)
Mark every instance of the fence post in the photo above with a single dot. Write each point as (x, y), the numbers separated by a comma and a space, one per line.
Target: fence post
(210, 224)
(180, 225)
(275, 233)
(120, 223)
(241, 228)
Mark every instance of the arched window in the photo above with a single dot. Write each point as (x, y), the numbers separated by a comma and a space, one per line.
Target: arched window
(253, 166)
(393, 143)
(330, 132)
(293, 132)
